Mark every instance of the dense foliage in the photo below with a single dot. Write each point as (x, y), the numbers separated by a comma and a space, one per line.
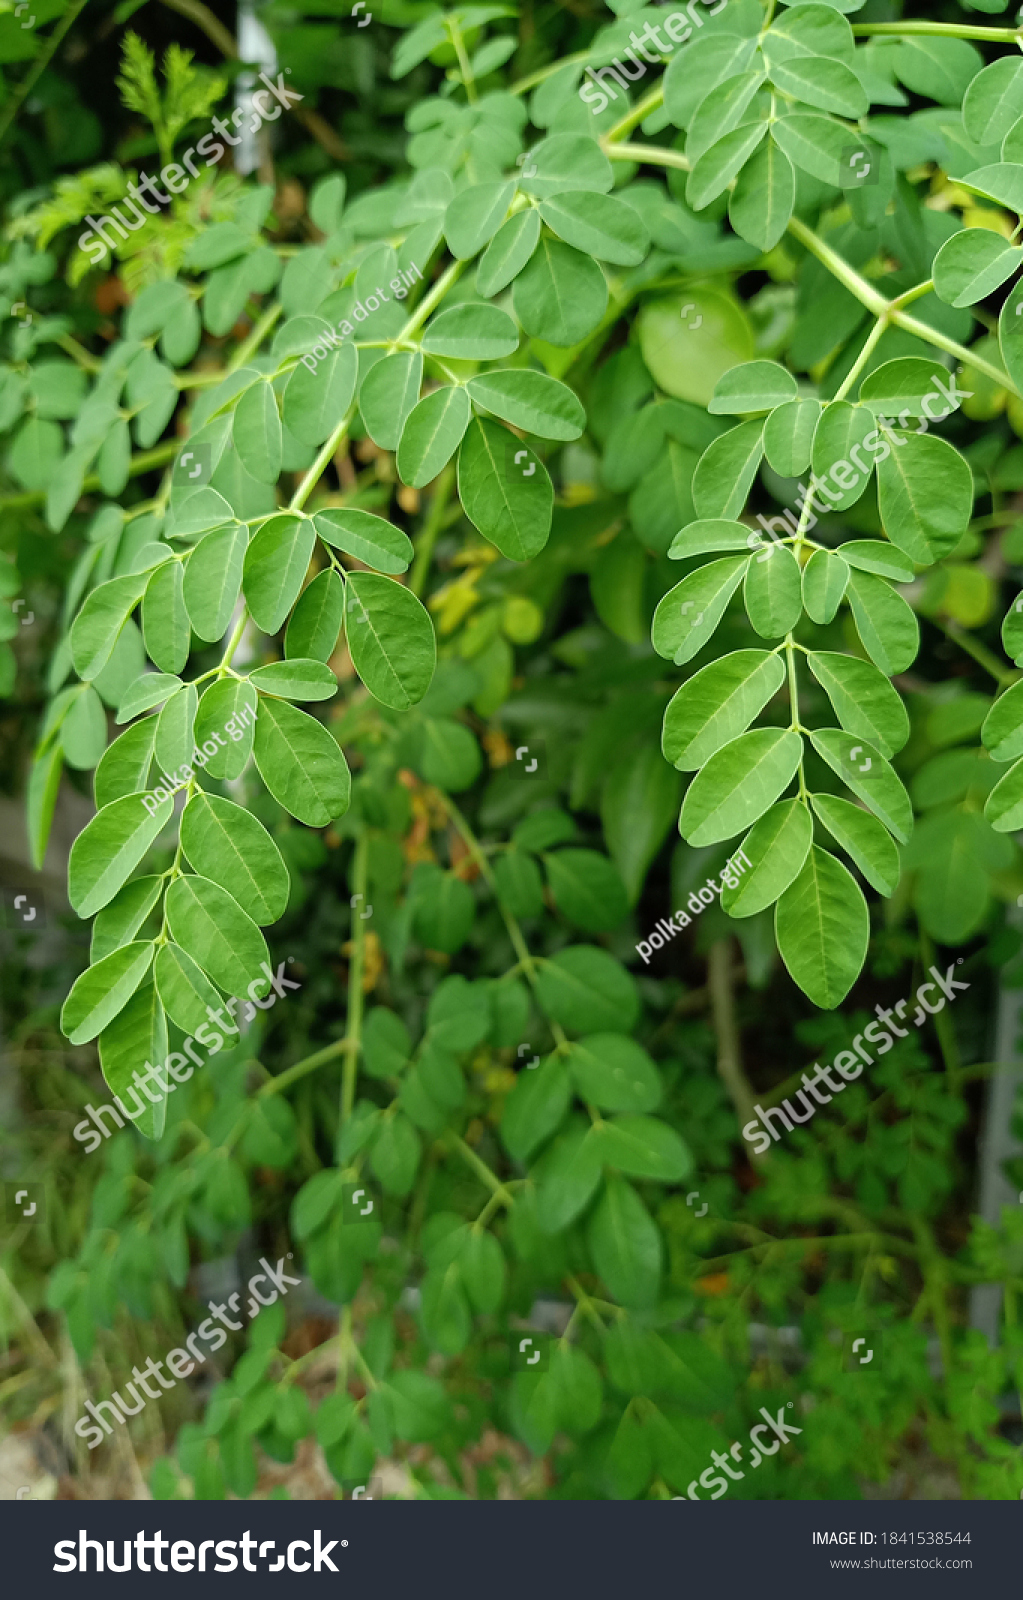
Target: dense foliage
(474, 425)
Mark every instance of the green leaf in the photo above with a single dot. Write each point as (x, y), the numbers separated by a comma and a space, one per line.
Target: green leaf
(136, 1037)
(276, 563)
(531, 401)
(295, 679)
(535, 1108)
(213, 577)
(863, 698)
(822, 926)
(645, 1147)
(475, 215)
(370, 539)
(865, 771)
(752, 386)
(444, 912)
(391, 639)
(638, 808)
(175, 725)
(471, 333)
(256, 432)
(925, 496)
(519, 884)
(901, 387)
(560, 295)
(614, 1073)
(124, 768)
(721, 110)
(119, 922)
(83, 732)
(973, 264)
(841, 433)
(431, 435)
(584, 988)
(1004, 808)
(110, 847)
(626, 1246)
(1012, 631)
(510, 503)
(776, 850)
(212, 928)
(714, 533)
(444, 1311)
(507, 253)
(726, 470)
(301, 764)
(567, 161)
(738, 784)
(386, 1043)
(825, 580)
(815, 144)
(828, 85)
(599, 225)
(103, 990)
(772, 591)
(567, 1175)
(315, 624)
(43, 786)
(587, 889)
(1002, 733)
(717, 704)
(939, 68)
(147, 691)
(761, 204)
(873, 555)
(317, 398)
(166, 628)
(885, 623)
(225, 843)
(993, 103)
(863, 838)
(97, 627)
(688, 615)
(184, 989)
(716, 168)
(395, 1155)
(228, 706)
(388, 395)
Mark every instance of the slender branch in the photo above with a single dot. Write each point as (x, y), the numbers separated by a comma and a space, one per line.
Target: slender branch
(356, 966)
(143, 462)
(947, 30)
(969, 358)
(722, 1001)
(210, 25)
(482, 1171)
(840, 269)
(284, 1080)
(28, 83)
(655, 154)
(427, 536)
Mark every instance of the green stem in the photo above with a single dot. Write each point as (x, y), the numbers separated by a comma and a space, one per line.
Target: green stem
(482, 1171)
(468, 81)
(840, 269)
(284, 1080)
(325, 455)
(640, 111)
(356, 966)
(945, 30)
(427, 537)
(27, 84)
(249, 346)
(969, 358)
(525, 84)
(1004, 676)
(873, 339)
(143, 462)
(431, 299)
(655, 154)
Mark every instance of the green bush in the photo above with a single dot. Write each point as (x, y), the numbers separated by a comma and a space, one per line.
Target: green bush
(677, 420)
